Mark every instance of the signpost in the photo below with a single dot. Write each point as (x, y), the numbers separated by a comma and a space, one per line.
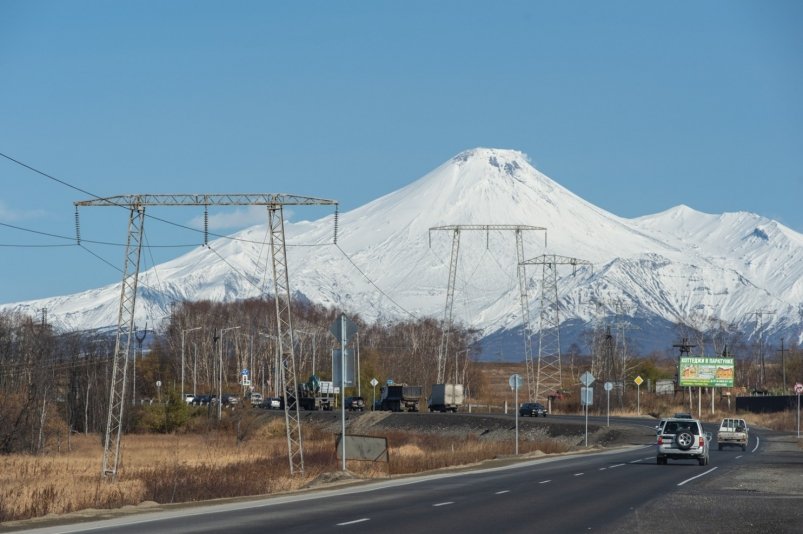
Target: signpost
(798, 391)
(586, 395)
(638, 382)
(608, 387)
(343, 329)
(515, 383)
(374, 382)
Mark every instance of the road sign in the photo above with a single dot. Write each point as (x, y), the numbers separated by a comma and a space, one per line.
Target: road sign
(374, 382)
(515, 381)
(343, 328)
(608, 386)
(639, 380)
(244, 372)
(587, 379)
(798, 388)
(586, 396)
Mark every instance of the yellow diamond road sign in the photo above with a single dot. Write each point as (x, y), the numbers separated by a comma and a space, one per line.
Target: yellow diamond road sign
(638, 380)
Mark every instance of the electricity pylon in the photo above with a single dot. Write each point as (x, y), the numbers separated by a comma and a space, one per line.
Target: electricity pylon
(125, 318)
(443, 353)
(548, 376)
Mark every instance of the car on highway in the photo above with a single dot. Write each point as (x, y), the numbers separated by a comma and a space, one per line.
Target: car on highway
(532, 409)
(203, 400)
(254, 398)
(683, 439)
(188, 398)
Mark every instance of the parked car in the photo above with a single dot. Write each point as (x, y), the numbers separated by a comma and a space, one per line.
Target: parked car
(532, 409)
(230, 399)
(203, 400)
(683, 439)
(271, 403)
(189, 398)
(355, 404)
(255, 399)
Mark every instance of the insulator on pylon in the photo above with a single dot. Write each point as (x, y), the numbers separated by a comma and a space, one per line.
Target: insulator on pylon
(206, 225)
(336, 217)
(77, 228)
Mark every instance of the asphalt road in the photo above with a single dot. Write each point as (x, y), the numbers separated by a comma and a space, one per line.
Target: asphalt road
(603, 492)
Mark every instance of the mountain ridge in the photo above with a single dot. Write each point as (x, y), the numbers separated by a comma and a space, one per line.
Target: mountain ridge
(679, 265)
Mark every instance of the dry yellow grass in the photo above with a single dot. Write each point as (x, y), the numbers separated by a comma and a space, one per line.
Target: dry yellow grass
(214, 464)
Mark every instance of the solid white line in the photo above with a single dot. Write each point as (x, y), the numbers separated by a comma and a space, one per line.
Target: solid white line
(756, 447)
(545, 481)
(698, 476)
(443, 503)
(353, 522)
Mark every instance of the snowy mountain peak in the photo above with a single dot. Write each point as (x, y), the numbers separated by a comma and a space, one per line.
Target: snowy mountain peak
(670, 266)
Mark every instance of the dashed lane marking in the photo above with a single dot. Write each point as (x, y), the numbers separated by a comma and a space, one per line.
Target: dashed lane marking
(579, 474)
(545, 482)
(503, 491)
(443, 503)
(353, 522)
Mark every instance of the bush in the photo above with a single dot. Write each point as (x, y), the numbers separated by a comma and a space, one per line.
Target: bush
(163, 418)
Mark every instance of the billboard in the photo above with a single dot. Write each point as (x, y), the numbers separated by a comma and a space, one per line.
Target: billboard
(706, 372)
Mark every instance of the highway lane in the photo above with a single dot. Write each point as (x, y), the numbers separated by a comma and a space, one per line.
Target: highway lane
(566, 494)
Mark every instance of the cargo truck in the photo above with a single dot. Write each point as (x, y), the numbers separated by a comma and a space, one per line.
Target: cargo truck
(446, 397)
(400, 397)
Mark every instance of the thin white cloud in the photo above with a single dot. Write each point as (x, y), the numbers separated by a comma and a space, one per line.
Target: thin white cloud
(11, 215)
(233, 219)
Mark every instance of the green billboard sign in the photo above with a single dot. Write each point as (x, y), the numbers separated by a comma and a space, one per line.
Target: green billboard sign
(706, 372)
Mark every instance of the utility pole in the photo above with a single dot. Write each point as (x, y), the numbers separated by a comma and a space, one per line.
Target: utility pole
(783, 352)
(760, 354)
(136, 205)
(183, 332)
(140, 339)
(549, 374)
(443, 353)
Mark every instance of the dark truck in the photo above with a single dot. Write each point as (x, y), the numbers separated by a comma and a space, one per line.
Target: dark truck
(400, 397)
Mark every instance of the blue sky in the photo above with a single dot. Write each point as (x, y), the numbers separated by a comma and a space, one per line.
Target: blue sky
(635, 106)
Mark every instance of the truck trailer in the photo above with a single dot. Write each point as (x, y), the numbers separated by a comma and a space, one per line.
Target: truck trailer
(400, 397)
(446, 397)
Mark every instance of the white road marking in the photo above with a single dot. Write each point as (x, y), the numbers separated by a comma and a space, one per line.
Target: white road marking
(636, 461)
(738, 456)
(603, 468)
(756, 447)
(579, 474)
(615, 465)
(545, 482)
(443, 503)
(503, 491)
(698, 476)
(353, 522)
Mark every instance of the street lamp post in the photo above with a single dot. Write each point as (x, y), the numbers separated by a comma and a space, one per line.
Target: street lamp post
(183, 332)
(220, 373)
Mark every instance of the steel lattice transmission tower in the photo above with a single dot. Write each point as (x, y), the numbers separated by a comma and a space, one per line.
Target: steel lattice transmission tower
(125, 318)
(443, 352)
(548, 376)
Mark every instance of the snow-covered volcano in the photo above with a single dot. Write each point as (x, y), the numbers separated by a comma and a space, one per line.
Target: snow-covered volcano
(679, 266)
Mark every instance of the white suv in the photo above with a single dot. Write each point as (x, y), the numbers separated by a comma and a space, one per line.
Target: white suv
(682, 439)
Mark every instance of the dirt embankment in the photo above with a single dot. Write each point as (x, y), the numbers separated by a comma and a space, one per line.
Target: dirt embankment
(482, 426)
